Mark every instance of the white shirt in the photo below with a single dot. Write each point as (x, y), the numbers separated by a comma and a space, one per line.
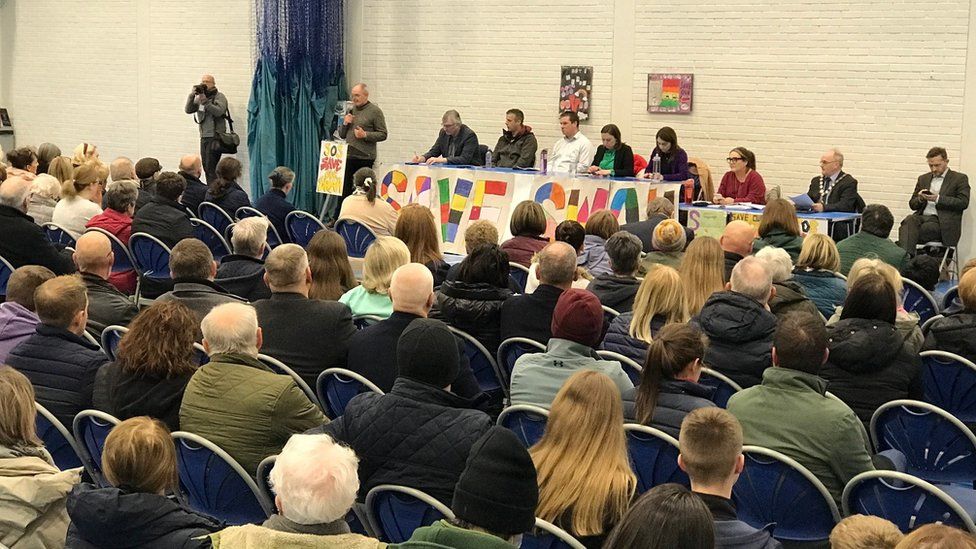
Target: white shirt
(73, 214)
(935, 187)
(568, 151)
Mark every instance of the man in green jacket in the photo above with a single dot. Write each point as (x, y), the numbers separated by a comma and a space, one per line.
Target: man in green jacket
(790, 412)
(872, 241)
(237, 402)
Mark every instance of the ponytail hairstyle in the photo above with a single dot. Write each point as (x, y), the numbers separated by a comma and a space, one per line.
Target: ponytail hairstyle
(675, 347)
(84, 176)
(280, 177)
(228, 171)
(364, 182)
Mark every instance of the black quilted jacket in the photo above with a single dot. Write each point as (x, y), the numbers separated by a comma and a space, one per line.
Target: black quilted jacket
(474, 308)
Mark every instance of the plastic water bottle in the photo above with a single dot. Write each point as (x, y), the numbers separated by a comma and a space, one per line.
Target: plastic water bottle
(488, 159)
(572, 170)
(544, 161)
(656, 164)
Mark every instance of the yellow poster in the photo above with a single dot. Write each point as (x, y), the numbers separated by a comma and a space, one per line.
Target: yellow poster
(332, 167)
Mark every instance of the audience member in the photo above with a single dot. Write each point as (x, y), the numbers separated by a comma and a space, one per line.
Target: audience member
(528, 226)
(61, 168)
(577, 328)
(372, 296)
(658, 210)
(665, 517)
(618, 288)
(530, 315)
(106, 305)
(164, 217)
(24, 242)
(613, 157)
(816, 271)
(573, 152)
(739, 325)
(790, 412)
(955, 306)
(289, 316)
(742, 183)
(242, 272)
(780, 228)
(601, 225)
(122, 169)
(736, 242)
(669, 388)
(477, 233)
(139, 462)
(362, 207)
(669, 242)
(373, 350)
(17, 317)
(674, 159)
(937, 204)
(193, 268)
(456, 144)
(517, 145)
(22, 162)
(907, 322)
(572, 233)
(274, 204)
(84, 153)
(46, 152)
(790, 295)
(955, 333)
(45, 191)
(32, 489)
(191, 170)
(237, 402)
(702, 272)
(419, 434)
(865, 532)
(225, 192)
(146, 170)
(418, 230)
(937, 536)
(494, 500)
(59, 362)
(331, 272)
(315, 484)
(584, 448)
(870, 362)
(711, 454)
(80, 199)
(660, 301)
(872, 240)
(116, 218)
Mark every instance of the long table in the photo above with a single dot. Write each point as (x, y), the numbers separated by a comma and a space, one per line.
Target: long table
(458, 195)
(711, 220)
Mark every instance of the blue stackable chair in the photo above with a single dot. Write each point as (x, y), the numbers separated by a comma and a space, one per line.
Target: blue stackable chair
(653, 457)
(247, 211)
(632, 368)
(917, 299)
(335, 387)
(274, 239)
(909, 502)
(358, 237)
(949, 382)
(302, 226)
(281, 368)
(215, 216)
(111, 336)
(151, 257)
(610, 314)
(57, 440)
(526, 421)
(950, 296)
(938, 447)
(511, 349)
(483, 365)
(396, 511)
(212, 483)
(57, 234)
(724, 386)
(123, 257)
(212, 237)
(5, 271)
(520, 274)
(547, 535)
(200, 354)
(362, 321)
(775, 489)
(91, 428)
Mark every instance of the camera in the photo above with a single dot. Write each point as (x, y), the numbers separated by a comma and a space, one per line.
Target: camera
(200, 89)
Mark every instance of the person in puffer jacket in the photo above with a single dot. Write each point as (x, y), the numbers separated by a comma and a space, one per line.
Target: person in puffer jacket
(618, 289)
(669, 388)
(870, 362)
(419, 434)
(816, 271)
(660, 301)
(739, 326)
(473, 302)
(601, 225)
(957, 333)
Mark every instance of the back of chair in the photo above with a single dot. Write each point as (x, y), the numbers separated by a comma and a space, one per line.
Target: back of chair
(907, 501)
(526, 421)
(774, 488)
(950, 296)
(246, 211)
(918, 300)
(57, 440)
(200, 354)
(396, 511)
(519, 274)
(632, 368)
(302, 227)
(335, 387)
(362, 321)
(5, 271)
(483, 365)
(281, 368)
(212, 483)
(151, 256)
(724, 386)
(212, 237)
(215, 216)
(358, 237)
(262, 476)
(653, 457)
(609, 313)
(949, 382)
(57, 234)
(111, 336)
(547, 535)
(91, 428)
(123, 257)
(511, 349)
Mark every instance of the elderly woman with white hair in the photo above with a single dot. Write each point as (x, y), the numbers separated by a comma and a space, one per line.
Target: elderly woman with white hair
(790, 295)
(45, 191)
(242, 272)
(315, 481)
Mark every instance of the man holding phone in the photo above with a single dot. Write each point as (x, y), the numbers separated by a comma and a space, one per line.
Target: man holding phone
(938, 201)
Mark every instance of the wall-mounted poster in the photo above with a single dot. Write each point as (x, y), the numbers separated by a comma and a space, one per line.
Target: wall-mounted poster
(575, 89)
(670, 93)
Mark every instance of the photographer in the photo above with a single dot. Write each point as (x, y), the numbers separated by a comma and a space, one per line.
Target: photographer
(209, 109)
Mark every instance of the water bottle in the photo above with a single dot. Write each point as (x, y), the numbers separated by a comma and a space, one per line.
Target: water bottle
(544, 161)
(572, 170)
(656, 164)
(488, 159)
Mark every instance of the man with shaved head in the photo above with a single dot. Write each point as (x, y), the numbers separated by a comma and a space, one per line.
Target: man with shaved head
(736, 242)
(530, 315)
(106, 305)
(209, 109)
(191, 168)
(122, 169)
(362, 128)
(372, 351)
(23, 241)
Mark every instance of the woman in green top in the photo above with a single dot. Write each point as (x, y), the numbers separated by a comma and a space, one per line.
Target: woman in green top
(780, 228)
(372, 297)
(614, 157)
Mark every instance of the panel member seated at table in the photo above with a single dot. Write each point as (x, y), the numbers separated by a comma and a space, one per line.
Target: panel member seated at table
(835, 191)
(674, 159)
(574, 151)
(517, 145)
(742, 183)
(613, 158)
(456, 144)
(938, 201)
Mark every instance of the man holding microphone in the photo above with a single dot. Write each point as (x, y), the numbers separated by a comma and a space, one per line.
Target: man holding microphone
(362, 128)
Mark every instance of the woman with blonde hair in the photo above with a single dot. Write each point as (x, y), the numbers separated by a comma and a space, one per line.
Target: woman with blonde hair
(372, 297)
(139, 461)
(81, 197)
(660, 301)
(937, 536)
(816, 271)
(61, 168)
(585, 480)
(417, 229)
(780, 228)
(45, 191)
(85, 153)
(331, 272)
(702, 272)
(32, 489)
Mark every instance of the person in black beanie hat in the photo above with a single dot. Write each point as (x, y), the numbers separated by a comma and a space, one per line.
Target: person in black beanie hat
(419, 434)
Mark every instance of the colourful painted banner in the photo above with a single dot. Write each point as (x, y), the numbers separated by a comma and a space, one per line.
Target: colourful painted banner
(332, 167)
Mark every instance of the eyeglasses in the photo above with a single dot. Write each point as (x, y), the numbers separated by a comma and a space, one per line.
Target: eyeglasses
(732, 159)
(823, 163)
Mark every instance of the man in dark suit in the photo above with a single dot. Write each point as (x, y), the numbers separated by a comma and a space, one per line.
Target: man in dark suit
(834, 190)
(658, 210)
(938, 201)
(530, 315)
(308, 335)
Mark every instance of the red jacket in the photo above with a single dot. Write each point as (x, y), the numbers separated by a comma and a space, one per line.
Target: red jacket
(521, 248)
(120, 225)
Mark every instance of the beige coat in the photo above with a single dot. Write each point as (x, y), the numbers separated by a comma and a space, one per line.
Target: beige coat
(379, 216)
(32, 496)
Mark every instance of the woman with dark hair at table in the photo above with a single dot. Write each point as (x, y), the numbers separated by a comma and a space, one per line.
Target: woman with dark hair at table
(613, 158)
(674, 159)
(780, 227)
(742, 183)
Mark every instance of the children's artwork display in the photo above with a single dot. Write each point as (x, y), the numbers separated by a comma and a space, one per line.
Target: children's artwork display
(575, 90)
(332, 167)
(670, 93)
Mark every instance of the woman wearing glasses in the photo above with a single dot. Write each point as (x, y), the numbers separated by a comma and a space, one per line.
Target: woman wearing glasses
(742, 183)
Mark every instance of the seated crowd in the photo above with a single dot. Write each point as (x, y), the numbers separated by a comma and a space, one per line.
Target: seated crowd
(627, 321)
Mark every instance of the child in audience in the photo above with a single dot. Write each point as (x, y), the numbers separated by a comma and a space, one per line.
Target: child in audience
(668, 516)
(865, 532)
(702, 272)
(418, 230)
(585, 479)
(372, 297)
(331, 272)
(660, 301)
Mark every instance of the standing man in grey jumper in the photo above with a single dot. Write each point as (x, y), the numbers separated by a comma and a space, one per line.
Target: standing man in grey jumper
(209, 109)
(362, 129)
